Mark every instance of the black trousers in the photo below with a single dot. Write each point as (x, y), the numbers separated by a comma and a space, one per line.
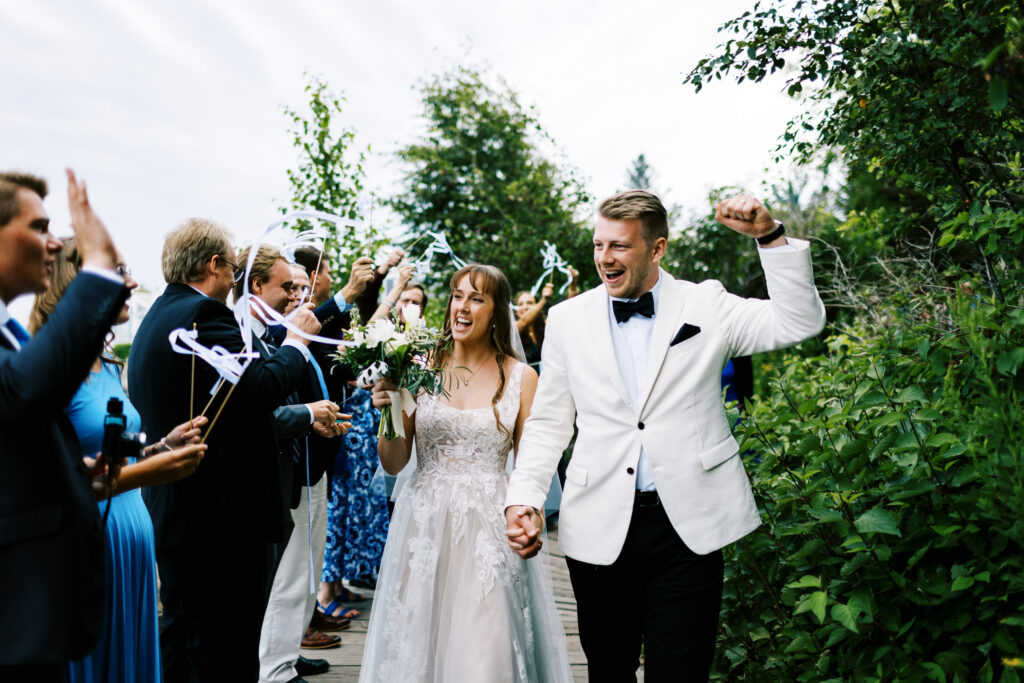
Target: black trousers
(674, 616)
(213, 595)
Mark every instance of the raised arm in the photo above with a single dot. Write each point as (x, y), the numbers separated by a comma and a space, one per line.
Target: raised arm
(533, 312)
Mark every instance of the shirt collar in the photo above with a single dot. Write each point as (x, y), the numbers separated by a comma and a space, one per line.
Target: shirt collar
(5, 315)
(255, 324)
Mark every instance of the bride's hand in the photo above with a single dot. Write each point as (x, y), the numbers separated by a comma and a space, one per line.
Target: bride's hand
(379, 393)
(523, 526)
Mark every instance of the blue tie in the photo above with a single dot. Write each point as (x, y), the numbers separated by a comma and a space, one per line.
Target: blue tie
(18, 331)
(319, 378)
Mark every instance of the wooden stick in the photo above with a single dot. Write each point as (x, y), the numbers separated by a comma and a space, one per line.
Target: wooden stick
(216, 390)
(414, 242)
(192, 386)
(316, 273)
(219, 410)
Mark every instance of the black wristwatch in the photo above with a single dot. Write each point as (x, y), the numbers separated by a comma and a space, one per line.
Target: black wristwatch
(775, 234)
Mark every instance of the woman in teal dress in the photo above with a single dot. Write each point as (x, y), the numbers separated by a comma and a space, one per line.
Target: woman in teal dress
(129, 646)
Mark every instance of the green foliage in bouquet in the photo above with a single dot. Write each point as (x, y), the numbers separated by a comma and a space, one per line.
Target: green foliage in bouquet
(401, 353)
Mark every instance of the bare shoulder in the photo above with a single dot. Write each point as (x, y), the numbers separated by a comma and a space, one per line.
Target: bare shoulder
(530, 376)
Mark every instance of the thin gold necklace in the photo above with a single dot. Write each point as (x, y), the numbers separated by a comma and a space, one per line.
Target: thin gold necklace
(472, 373)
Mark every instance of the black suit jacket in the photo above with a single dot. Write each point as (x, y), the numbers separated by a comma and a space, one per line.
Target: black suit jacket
(236, 489)
(321, 451)
(51, 538)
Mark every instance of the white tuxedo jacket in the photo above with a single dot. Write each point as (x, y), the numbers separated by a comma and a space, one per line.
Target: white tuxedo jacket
(680, 423)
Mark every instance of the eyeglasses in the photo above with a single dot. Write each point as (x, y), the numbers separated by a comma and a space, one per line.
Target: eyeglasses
(236, 269)
(123, 270)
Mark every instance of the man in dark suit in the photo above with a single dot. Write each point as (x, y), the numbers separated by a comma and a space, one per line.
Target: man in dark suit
(212, 528)
(51, 538)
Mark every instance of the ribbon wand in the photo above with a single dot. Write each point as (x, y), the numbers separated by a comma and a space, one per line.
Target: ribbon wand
(219, 410)
(192, 384)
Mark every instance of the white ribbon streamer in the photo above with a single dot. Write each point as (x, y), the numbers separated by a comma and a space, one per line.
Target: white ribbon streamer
(438, 246)
(552, 261)
(401, 402)
(229, 366)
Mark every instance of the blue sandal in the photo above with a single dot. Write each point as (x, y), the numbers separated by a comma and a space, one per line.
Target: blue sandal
(346, 612)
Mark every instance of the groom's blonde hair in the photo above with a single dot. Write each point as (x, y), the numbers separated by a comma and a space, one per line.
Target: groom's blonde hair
(638, 205)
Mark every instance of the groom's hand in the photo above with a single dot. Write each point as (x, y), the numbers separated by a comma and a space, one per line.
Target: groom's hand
(523, 525)
(746, 215)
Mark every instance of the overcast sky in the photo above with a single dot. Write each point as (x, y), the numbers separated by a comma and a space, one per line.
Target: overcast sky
(174, 109)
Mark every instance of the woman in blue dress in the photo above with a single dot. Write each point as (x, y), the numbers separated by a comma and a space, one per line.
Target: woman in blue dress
(129, 646)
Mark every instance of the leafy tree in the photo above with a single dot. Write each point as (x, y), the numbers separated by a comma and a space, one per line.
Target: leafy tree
(479, 175)
(899, 90)
(888, 468)
(640, 175)
(329, 175)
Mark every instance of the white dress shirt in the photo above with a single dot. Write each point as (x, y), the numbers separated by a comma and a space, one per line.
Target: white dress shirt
(632, 342)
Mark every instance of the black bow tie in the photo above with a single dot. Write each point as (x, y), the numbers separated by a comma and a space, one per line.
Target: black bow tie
(624, 310)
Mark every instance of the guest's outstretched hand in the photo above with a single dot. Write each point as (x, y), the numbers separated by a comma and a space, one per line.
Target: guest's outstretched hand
(94, 242)
(746, 215)
(186, 432)
(523, 526)
(305, 321)
(358, 279)
(170, 466)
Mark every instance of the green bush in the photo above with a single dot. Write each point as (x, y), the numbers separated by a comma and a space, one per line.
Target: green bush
(889, 474)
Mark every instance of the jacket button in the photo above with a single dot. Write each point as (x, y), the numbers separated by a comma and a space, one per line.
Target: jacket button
(629, 470)
(640, 425)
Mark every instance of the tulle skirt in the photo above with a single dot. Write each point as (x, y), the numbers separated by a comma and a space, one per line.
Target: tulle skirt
(453, 602)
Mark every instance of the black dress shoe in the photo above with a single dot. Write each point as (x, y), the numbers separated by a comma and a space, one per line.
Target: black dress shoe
(369, 584)
(311, 667)
(297, 679)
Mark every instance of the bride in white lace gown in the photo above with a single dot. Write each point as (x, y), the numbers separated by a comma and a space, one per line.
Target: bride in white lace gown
(454, 604)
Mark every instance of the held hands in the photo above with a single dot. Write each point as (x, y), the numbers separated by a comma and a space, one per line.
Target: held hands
(358, 279)
(523, 526)
(94, 242)
(328, 421)
(746, 215)
(305, 321)
(337, 428)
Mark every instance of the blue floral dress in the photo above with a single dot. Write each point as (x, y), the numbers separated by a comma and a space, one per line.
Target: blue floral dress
(357, 511)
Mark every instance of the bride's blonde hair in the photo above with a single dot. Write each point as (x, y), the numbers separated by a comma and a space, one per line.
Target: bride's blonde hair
(491, 281)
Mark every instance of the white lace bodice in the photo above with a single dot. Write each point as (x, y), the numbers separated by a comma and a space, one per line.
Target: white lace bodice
(454, 443)
(453, 602)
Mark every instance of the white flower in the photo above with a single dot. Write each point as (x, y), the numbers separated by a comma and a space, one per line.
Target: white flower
(397, 339)
(380, 331)
(359, 337)
(411, 313)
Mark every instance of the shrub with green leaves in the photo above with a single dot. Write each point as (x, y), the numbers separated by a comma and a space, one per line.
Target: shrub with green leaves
(889, 474)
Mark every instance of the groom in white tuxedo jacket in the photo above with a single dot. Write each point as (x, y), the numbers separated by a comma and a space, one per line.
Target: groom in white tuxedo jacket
(656, 486)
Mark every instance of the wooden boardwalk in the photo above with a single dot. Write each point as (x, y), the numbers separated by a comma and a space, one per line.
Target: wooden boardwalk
(346, 659)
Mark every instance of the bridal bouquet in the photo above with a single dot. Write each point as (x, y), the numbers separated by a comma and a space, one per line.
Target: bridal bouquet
(383, 350)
